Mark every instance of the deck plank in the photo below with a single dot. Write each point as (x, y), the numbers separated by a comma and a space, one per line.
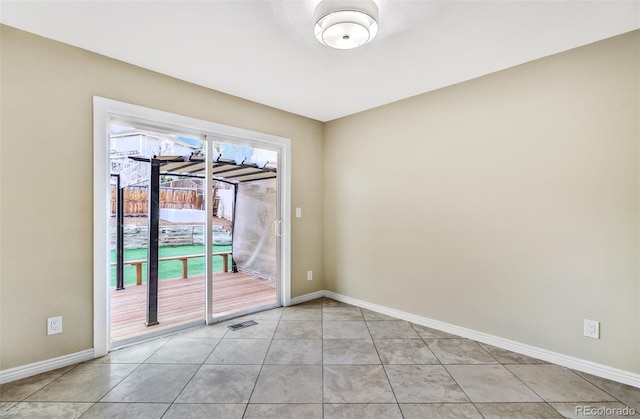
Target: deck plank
(181, 301)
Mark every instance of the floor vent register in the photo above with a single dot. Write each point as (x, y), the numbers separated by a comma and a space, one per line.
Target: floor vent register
(242, 325)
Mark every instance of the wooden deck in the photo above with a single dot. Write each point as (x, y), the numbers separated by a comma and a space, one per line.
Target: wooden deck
(181, 301)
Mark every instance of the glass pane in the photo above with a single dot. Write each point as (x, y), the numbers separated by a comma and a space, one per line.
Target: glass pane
(243, 231)
(180, 235)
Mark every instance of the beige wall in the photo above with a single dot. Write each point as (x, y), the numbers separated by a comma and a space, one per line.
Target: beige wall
(507, 204)
(46, 180)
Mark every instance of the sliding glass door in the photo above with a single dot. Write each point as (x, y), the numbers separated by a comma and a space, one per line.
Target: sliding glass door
(195, 229)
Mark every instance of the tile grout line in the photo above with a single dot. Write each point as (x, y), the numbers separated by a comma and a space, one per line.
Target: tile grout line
(461, 389)
(503, 366)
(128, 375)
(543, 401)
(487, 352)
(171, 403)
(93, 402)
(532, 390)
(511, 372)
(50, 382)
(195, 372)
(506, 366)
(601, 389)
(382, 365)
(255, 383)
(449, 374)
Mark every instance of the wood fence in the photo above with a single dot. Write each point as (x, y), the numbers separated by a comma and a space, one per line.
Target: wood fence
(136, 199)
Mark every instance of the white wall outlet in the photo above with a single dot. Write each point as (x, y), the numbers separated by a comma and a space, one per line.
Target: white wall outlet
(54, 325)
(298, 212)
(309, 275)
(592, 329)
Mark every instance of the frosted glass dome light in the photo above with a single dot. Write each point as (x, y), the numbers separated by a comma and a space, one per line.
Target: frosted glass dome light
(346, 24)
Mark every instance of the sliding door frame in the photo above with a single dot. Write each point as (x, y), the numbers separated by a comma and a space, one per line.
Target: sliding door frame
(106, 111)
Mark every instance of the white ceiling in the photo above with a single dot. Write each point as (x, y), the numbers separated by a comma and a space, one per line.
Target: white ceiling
(265, 51)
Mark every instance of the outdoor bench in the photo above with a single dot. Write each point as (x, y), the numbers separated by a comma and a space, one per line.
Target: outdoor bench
(183, 258)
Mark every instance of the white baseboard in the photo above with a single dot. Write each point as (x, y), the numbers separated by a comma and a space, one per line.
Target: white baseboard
(307, 297)
(599, 370)
(610, 373)
(28, 370)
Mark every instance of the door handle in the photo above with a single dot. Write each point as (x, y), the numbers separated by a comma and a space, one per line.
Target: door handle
(277, 226)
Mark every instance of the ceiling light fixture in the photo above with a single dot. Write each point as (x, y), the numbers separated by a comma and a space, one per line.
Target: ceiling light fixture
(346, 24)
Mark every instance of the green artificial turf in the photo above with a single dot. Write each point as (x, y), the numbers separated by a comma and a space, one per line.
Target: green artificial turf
(171, 268)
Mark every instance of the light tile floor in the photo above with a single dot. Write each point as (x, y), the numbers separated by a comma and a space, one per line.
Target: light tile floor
(318, 359)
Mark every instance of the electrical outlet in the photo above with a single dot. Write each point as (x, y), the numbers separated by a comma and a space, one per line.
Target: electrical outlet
(592, 329)
(54, 325)
(309, 275)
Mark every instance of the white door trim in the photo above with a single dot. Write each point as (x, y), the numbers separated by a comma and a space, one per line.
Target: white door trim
(106, 110)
